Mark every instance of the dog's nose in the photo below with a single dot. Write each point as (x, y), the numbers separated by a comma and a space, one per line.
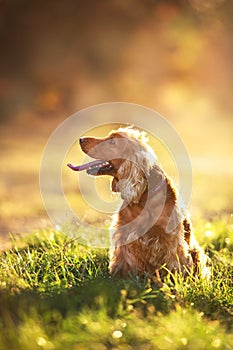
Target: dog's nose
(82, 141)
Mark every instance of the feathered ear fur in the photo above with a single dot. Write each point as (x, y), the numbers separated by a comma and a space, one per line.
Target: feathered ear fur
(132, 182)
(133, 175)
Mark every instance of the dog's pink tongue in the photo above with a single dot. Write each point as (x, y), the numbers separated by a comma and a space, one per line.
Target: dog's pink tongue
(85, 166)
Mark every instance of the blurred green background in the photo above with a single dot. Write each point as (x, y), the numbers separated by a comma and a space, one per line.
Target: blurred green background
(57, 57)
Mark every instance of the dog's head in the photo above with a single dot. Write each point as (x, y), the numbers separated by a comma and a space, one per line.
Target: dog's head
(125, 155)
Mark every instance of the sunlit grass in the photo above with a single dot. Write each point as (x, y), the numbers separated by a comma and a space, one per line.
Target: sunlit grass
(56, 293)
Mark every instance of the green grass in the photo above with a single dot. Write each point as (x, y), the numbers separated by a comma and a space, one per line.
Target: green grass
(57, 294)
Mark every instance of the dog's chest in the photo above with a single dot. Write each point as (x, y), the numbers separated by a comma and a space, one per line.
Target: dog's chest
(129, 213)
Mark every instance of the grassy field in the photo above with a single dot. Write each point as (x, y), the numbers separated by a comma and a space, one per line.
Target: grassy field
(57, 294)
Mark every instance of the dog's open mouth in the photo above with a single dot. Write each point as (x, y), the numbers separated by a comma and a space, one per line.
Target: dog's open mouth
(96, 167)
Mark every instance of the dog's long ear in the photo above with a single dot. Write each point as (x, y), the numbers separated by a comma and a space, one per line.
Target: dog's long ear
(132, 178)
(132, 175)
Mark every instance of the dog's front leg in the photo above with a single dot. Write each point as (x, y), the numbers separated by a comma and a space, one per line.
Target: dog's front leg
(122, 262)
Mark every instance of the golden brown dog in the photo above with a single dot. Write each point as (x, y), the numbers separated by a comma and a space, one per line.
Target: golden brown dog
(150, 233)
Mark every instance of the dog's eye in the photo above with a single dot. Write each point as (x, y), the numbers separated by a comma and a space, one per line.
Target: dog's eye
(112, 141)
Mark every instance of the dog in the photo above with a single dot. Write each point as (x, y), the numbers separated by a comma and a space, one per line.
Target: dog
(151, 234)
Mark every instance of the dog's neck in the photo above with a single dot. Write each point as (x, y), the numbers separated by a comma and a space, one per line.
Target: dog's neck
(151, 190)
(156, 181)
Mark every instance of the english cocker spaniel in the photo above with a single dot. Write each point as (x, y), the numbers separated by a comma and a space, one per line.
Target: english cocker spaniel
(150, 232)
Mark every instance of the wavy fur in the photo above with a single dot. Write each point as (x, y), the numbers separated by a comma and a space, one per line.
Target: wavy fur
(150, 230)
